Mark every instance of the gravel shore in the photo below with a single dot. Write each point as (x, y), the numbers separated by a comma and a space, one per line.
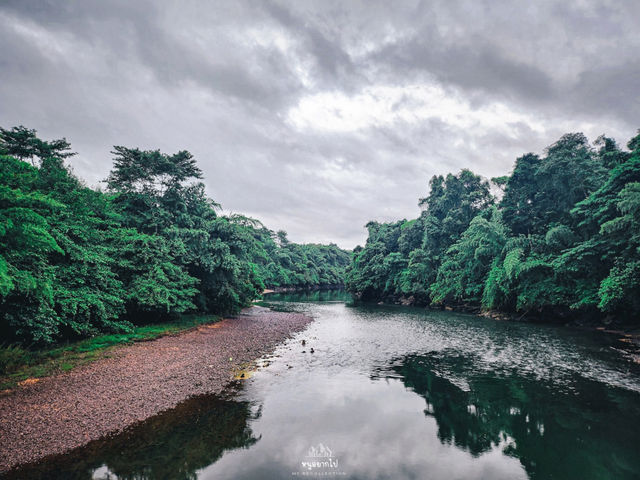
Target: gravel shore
(63, 412)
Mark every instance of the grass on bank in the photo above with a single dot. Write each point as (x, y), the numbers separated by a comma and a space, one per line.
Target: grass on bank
(19, 364)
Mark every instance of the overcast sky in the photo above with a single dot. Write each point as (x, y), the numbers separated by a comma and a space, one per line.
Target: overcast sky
(316, 117)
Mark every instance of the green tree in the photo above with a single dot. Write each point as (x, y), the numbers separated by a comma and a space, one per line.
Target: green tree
(22, 143)
(568, 239)
(451, 205)
(519, 211)
(76, 261)
(466, 265)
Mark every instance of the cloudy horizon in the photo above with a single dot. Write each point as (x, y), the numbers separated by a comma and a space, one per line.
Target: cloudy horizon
(316, 117)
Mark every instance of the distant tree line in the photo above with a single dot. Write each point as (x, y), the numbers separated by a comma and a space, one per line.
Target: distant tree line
(561, 237)
(76, 261)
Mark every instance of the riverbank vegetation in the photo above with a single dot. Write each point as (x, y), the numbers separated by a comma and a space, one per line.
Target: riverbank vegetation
(20, 365)
(77, 261)
(559, 236)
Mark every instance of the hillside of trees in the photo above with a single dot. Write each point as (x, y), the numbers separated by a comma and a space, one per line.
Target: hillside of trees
(76, 261)
(559, 237)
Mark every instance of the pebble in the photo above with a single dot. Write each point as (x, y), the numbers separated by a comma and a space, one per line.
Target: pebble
(134, 383)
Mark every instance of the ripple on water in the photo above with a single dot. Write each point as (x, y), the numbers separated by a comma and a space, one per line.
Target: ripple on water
(405, 393)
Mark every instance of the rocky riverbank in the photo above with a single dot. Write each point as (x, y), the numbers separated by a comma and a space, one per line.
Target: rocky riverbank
(57, 414)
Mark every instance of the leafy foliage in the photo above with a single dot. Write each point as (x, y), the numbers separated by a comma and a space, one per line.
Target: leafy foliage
(565, 235)
(465, 268)
(402, 259)
(22, 143)
(75, 261)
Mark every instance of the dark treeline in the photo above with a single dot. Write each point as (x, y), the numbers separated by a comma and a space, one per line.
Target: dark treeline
(75, 261)
(561, 238)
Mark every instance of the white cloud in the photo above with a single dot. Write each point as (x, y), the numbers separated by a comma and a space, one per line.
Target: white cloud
(387, 105)
(317, 117)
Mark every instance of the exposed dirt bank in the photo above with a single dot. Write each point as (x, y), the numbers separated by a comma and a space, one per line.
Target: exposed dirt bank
(57, 414)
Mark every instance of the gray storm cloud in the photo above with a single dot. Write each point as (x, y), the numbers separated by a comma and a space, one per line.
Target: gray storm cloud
(316, 117)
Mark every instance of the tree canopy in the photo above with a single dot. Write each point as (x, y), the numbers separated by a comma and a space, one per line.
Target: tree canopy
(75, 261)
(563, 238)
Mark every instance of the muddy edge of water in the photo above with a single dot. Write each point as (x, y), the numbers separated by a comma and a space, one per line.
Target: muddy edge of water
(63, 412)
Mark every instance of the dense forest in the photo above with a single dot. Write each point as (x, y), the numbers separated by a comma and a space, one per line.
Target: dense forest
(558, 237)
(76, 261)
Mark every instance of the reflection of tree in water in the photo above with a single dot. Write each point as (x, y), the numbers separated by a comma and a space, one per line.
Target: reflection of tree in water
(172, 445)
(580, 429)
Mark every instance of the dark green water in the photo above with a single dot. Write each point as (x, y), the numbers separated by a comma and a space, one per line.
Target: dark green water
(396, 393)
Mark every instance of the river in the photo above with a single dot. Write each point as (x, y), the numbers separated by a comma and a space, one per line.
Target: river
(395, 392)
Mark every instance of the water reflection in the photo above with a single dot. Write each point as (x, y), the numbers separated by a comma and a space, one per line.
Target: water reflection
(173, 445)
(398, 393)
(581, 431)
